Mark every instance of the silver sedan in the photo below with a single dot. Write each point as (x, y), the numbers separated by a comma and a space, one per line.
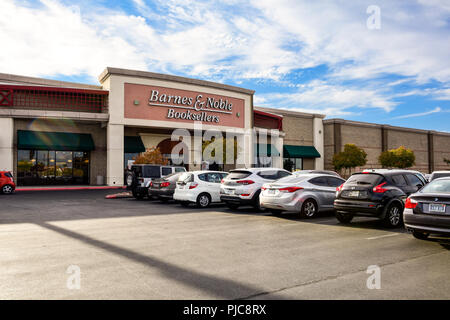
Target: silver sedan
(306, 194)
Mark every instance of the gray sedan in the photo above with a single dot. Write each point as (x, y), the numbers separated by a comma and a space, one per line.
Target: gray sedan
(306, 194)
(164, 188)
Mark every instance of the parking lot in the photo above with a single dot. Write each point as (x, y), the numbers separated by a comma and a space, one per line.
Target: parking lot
(129, 249)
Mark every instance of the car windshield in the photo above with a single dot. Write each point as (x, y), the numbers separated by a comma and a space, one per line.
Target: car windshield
(8, 175)
(437, 186)
(365, 178)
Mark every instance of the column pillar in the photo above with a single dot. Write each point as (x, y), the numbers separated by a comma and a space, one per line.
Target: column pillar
(7, 144)
(318, 142)
(114, 154)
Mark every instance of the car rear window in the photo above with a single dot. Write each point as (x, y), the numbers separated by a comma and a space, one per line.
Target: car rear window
(364, 179)
(439, 175)
(269, 174)
(166, 171)
(437, 186)
(293, 178)
(236, 175)
(186, 177)
(152, 172)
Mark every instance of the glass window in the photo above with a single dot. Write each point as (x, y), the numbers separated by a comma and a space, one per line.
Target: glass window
(166, 170)
(203, 177)
(334, 182)
(437, 186)
(282, 174)
(319, 181)
(186, 177)
(236, 175)
(292, 164)
(364, 178)
(414, 180)
(152, 171)
(399, 180)
(214, 177)
(269, 174)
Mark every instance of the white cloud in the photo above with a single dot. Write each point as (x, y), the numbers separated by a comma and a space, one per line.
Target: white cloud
(420, 114)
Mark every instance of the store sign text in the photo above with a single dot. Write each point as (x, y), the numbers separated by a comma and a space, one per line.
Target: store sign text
(194, 109)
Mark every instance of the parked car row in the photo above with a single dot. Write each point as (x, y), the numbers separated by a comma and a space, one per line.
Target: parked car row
(396, 197)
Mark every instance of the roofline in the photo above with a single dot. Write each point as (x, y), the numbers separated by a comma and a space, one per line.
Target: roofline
(159, 76)
(54, 89)
(7, 78)
(287, 112)
(378, 125)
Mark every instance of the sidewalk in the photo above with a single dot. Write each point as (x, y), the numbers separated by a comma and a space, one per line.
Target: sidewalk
(65, 188)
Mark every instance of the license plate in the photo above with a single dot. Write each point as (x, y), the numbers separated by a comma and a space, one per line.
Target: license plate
(437, 207)
(229, 191)
(271, 191)
(353, 194)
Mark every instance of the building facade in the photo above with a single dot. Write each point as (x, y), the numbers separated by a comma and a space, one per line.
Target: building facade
(56, 132)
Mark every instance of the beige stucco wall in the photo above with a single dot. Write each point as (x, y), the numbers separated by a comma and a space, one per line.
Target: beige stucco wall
(98, 156)
(441, 148)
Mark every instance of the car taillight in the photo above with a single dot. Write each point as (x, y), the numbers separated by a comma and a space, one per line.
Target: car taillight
(221, 181)
(164, 184)
(193, 185)
(290, 189)
(263, 188)
(339, 188)
(410, 203)
(245, 182)
(151, 184)
(379, 188)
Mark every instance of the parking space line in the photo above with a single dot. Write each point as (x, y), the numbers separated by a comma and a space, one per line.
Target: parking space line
(384, 236)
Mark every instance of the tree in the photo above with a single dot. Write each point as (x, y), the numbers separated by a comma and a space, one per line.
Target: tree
(351, 157)
(151, 156)
(401, 157)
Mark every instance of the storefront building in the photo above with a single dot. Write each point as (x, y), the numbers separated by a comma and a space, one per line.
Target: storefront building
(56, 132)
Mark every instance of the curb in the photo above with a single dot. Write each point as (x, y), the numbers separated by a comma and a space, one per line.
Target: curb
(69, 188)
(122, 195)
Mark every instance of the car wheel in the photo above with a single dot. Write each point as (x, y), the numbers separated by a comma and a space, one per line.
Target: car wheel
(343, 217)
(203, 200)
(420, 235)
(137, 195)
(7, 189)
(393, 217)
(257, 204)
(276, 212)
(130, 179)
(185, 203)
(309, 209)
(232, 206)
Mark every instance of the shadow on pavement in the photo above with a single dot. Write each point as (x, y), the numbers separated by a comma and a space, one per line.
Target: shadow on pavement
(212, 285)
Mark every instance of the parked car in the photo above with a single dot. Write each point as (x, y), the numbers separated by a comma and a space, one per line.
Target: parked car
(307, 194)
(7, 185)
(378, 193)
(428, 211)
(163, 188)
(200, 187)
(138, 178)
(439, 174)
(318, 172)
(243, 186)
(419, 174)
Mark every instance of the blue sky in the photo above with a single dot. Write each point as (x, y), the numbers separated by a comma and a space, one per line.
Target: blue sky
(313, 56)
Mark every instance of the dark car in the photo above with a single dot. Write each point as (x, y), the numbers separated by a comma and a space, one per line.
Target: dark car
(7, 185)
(139, 177)
(164, 188)
(376, 194)
(439, 174)
(428, 211)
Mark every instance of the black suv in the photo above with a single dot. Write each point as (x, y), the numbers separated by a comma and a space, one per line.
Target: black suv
(376, 193)
(139, 177)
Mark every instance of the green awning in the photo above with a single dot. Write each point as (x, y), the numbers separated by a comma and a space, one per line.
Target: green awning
(270, 149)
(62, 141)
(300, 152)
(133, 145)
